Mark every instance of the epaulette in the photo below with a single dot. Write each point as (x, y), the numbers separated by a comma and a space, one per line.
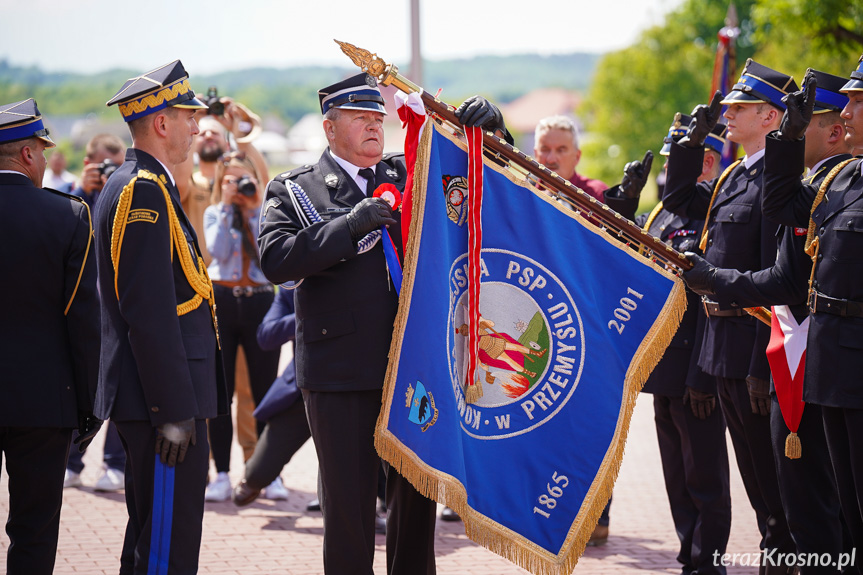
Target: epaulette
(291, 174)
(65, 195)
(389, 157)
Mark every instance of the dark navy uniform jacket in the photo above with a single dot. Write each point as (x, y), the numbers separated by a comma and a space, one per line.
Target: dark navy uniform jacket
(346, 304)
(49, 357)
(739, 237)
(156, 365)
(834, 352)
(678, 367)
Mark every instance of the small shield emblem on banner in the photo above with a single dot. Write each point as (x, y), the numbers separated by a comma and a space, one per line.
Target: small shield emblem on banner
(421, 405)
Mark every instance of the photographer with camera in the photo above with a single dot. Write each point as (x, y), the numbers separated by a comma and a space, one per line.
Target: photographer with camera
(225, 125)
(104, 154)
(243, 296)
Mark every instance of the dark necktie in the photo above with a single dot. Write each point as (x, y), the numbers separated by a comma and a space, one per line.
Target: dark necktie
(369, 175)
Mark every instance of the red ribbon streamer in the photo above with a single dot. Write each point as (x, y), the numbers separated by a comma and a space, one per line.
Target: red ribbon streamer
(474, 234)
(789, 390)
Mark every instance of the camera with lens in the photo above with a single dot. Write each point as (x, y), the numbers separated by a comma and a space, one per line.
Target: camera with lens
(246, 187)
(214, 106)
(107, 167)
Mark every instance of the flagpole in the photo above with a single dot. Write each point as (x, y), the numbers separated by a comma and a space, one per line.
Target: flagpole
(387, 74)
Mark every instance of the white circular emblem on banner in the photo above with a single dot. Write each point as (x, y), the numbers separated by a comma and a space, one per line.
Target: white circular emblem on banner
(531, 345)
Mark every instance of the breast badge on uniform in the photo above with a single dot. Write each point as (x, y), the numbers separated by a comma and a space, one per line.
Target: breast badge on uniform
(531, 347)
(455, 192)
(271, 203)
(422, 410)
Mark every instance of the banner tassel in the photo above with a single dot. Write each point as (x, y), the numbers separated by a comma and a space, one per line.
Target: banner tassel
(473, 393)
(793, 449)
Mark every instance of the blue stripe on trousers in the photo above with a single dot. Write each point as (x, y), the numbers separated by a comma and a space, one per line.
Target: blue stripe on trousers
(163, 513)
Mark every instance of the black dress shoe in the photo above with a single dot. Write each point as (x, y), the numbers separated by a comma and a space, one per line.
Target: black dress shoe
(449, 515)
(243, 494)
(313, 505)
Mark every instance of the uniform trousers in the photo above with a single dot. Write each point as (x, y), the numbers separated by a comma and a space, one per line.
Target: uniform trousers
(35, 462)
(807, 487)
(695, 466)
(239, 318)
(343, 425)
(843, 428)
(283, 435)
(753, 449)
(182, 548)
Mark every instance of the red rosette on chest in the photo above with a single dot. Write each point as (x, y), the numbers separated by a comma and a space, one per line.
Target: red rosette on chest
(390, 195)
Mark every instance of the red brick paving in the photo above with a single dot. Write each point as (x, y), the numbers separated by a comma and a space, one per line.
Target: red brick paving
(282, 538)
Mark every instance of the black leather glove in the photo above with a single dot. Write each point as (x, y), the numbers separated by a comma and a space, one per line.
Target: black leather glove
(88, 427)
(173, 439)
(701, 404)
(635, 175)
(704, 119)
(799, 108)
(759, 395)
(702, 277)
(479, 112)
(369, 215)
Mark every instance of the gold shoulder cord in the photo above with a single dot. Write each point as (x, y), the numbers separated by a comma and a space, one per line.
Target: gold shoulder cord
(652, 216)
(197, 278)
(702, 245)
(812, 243)
(84, 263)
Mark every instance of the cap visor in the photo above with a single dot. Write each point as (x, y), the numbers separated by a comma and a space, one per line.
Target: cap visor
(374, 108)
(853, 85)
(738, 97)
(47, 139)
(193, 104)
(666, 150)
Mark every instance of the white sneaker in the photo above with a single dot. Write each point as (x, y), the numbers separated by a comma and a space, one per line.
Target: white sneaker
(71, 479)
(111, 480)
(219, 489)
(276, 490)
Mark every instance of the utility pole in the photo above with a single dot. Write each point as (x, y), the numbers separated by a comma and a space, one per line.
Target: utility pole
(416, 56)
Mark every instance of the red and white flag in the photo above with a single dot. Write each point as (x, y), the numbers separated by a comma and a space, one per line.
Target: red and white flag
(786, 353)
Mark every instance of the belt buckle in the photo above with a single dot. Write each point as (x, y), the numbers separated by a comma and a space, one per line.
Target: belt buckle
(813, 301)
(239, 291)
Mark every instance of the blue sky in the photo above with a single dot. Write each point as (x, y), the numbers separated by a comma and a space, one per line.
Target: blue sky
(218, 35)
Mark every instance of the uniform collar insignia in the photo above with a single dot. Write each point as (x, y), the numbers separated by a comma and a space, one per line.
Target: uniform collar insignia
(331, 180)
(392, 173)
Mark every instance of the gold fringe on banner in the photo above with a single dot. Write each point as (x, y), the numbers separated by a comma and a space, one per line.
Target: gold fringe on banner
(793, 448)
(445, 488)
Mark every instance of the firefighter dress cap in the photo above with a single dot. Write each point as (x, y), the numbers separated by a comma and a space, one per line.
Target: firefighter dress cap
(22, 120)
(358, 92)
(759, 83)
(165, 86)
(828, 96)
(855, 84)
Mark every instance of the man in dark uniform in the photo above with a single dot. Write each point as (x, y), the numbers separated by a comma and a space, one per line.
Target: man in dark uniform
(832, 364)
(319, 228)
(738, 236)
(807, 484)
(160, 375)
(50, 337)
(690, 430)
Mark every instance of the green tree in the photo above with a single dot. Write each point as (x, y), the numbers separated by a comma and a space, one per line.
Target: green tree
(636, 91)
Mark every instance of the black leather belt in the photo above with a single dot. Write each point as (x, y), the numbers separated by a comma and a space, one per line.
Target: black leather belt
(820, 303)
(246, 291)
(711, 308)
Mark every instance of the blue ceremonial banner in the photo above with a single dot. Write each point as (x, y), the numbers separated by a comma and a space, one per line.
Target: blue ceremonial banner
(571, 324)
